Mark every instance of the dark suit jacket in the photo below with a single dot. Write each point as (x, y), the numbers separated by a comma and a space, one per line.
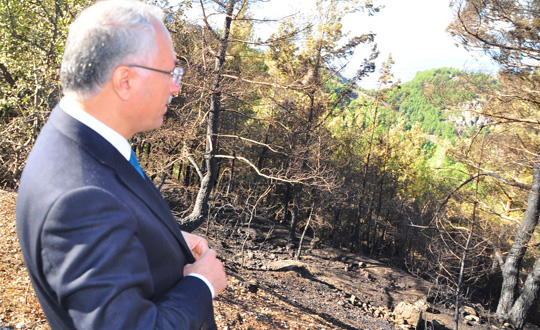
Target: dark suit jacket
(101, 246)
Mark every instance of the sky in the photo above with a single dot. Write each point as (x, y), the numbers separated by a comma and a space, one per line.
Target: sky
(412, 31)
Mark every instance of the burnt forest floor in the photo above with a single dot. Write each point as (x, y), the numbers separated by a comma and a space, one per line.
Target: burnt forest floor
(327, 288)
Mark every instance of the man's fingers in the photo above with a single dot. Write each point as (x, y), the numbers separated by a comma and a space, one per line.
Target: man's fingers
(197, 244)
(209, 266)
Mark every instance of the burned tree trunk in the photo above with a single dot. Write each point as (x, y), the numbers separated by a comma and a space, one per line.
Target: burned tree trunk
(200, 209)
(297, 191)
(509, 307)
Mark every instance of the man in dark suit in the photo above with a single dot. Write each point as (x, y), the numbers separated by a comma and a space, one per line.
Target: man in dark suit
(101, 246)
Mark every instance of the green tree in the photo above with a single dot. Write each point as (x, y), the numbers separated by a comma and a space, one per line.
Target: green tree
(32, 35)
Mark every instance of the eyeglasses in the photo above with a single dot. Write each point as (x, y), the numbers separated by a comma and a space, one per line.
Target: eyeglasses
(176, 74)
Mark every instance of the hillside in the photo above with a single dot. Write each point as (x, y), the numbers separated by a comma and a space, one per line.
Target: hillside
(327, 289)
(425, 99)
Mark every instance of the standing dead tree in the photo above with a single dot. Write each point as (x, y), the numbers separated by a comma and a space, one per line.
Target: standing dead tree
(200, 208)
(508, 32)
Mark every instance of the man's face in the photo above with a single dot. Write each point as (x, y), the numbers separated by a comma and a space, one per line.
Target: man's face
(156, 87)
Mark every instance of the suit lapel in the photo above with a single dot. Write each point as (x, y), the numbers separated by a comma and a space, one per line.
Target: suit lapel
(106, 154)
(149, 195)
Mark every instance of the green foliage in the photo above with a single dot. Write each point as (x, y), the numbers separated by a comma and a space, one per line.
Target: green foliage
(416, 108)
(32, 35)
(425, 99)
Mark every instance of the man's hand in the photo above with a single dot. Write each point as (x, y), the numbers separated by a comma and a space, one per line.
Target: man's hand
(207, 264)
(197, 244)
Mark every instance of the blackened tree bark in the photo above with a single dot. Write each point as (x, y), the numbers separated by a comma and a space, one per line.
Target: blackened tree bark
(529, 294)
(286, 201)
(7, 75)
(335, 224)
(297, 191)
(200, 209)
(510, 307)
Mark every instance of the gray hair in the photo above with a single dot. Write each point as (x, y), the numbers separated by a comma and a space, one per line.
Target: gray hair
(103, 37)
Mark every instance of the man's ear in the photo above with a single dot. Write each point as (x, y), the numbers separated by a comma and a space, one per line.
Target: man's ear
(122, 82)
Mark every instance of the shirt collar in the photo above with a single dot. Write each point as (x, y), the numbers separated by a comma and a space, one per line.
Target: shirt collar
(72, 108)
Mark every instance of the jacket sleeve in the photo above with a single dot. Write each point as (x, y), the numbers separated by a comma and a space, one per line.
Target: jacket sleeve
(94, 261)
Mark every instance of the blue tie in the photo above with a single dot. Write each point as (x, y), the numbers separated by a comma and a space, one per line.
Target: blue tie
(135, 163)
